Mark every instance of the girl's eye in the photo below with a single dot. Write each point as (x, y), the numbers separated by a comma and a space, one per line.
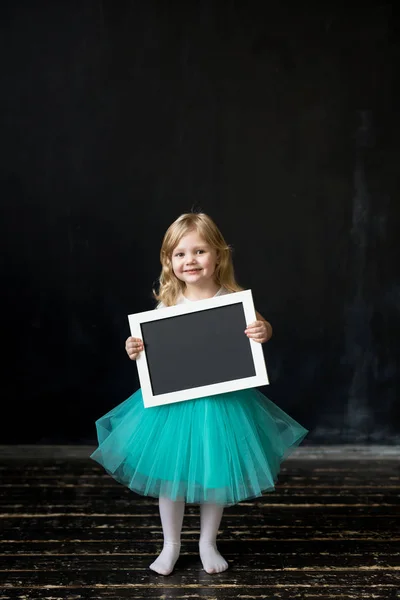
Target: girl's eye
(200, 251)
(179, 254)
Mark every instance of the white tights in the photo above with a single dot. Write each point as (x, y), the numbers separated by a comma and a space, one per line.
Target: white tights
(171, 514)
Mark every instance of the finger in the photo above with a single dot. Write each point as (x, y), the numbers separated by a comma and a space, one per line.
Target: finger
(255, 330)
(134, 353)
(134, 344)
(258, 337)
(254, 325)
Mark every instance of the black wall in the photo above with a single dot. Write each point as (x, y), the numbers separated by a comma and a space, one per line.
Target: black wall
(279, 120)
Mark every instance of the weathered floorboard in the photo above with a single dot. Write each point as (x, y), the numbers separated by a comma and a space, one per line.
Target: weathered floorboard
(329, 530)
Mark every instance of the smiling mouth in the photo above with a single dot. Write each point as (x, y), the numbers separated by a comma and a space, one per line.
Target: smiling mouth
(191, 270)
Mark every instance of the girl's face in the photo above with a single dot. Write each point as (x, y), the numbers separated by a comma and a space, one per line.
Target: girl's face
(193, 260)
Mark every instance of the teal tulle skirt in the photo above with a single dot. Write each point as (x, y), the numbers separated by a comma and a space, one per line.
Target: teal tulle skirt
(221, 449)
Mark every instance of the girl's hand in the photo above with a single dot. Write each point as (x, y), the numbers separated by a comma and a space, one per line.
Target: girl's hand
(258, 331)
(133, 347)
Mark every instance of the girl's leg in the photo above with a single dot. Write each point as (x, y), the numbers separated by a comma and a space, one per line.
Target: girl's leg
(210, 519)
(171, 514)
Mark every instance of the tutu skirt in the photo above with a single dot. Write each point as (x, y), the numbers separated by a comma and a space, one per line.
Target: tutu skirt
(222, 449)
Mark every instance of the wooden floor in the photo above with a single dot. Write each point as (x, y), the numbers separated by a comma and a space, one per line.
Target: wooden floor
(330, 530)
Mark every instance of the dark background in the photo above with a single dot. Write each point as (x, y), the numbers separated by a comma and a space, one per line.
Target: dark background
(280, 120)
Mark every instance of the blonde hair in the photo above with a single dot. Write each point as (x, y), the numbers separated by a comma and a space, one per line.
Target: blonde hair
(170, 287)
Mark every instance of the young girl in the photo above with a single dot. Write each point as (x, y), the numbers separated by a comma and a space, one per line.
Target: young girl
(215, 450)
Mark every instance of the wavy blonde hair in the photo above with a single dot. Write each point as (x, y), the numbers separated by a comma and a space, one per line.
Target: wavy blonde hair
(170, 287)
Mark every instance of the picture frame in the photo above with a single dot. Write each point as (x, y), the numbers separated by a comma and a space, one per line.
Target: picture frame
(198, 349)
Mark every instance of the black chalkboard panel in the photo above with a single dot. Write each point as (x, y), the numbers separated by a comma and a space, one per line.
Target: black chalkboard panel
(197, 349)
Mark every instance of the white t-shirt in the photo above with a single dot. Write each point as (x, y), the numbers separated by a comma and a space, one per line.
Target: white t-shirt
(182, 300)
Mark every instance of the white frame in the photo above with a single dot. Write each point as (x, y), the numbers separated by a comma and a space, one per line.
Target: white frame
(259, 379)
